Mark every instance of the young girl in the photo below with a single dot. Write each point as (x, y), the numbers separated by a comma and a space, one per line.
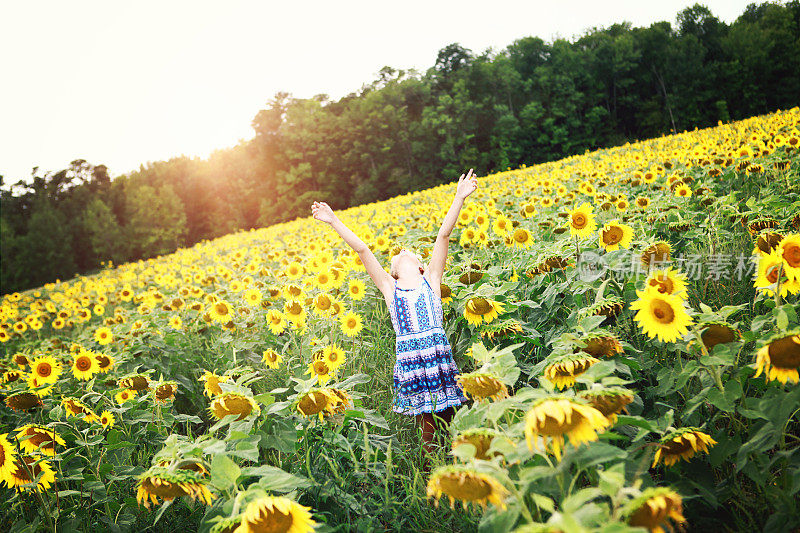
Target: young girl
(425, 372)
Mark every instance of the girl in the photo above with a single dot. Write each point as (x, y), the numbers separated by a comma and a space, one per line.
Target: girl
(425, 372)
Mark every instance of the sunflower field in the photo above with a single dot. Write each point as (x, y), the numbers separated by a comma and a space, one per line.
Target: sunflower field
(626, 322)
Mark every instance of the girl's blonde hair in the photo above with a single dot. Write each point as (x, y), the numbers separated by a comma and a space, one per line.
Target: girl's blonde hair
(393, 263)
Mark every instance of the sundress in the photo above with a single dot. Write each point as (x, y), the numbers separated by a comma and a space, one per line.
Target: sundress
(425, 372)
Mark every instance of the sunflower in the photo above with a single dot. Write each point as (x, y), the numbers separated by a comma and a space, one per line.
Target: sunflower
(103, 336)
(557, 416)
(33, 438)
(165, 391)
(107, 419)
(502, 329)
(318, 367)
(333, 357)
(615, 235)
(8, 457)
(220, 311)
(175, 322)
(462, 482)
(276, 321)
(84, 365)
(481, 439)
(563, 372)
(668, 281)
(522, 238)
(23, 401)
(294, 312)
(351, 324)
(481, 385)
(661, 315)
(318, 402)
(683, 191)
(46, 369)
(770, 269)
(714, 333)
(356, 289)
(232, 403)
(681, 444)
(276, 514)
(478, 310)
(502, 225)
(22, 475)
(137, 382)
(446, 293)
(75, 407)
(252, 296)
(581, 221)
(294, 270)
(780, 357)
(271, 358)
(323, 304)
(124, 396)
(654, 508)
(104, 362)
(160, 482)
(602, 345)
(656, 254)
(609, 401)
(789, 252)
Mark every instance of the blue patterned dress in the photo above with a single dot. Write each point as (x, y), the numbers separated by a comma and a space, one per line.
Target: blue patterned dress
(425, 372)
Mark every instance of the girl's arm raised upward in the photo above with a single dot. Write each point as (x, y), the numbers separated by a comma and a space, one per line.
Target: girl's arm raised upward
(466, 186)
(382, 279)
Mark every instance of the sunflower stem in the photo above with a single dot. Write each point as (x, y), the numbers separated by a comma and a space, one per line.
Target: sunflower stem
(778, 287)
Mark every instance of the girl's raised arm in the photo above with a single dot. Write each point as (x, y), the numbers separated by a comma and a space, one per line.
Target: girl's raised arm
(466, 186)
(382, 279)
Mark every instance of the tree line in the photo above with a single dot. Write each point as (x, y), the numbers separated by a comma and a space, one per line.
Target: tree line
(532, 102)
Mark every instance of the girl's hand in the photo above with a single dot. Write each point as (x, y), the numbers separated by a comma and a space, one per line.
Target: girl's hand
(322, 211)
(466, 185)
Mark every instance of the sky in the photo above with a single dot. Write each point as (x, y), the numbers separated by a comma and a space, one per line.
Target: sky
(123, 83)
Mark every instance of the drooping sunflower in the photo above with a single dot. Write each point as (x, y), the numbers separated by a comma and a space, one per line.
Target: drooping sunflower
(35, 438)
(581, 221)
(602, 345)
(463, 482)
(293, 311)
(446, 293)
(661, 315)
(479, 310)
(271, 358)
(482, 385)
(23, 401)
(276, 514)
(614, 236)
(104, 362)
(233, 403)
(610, 401)
(482, 439)
(668, 281)
(276, 321)
(75, 407)
(564, 371)
(84, 365)
(717, 332)
(165, 391)
(779, 358)
(46, 369)
(103, 335)
(654, 509)
(318, 401)
(656, 254)
(555, 417)
(137, 382)
(19, 478)
(160, 482)
(124, 396)
(680, 444)
(501, 329)
(8, 457)
(351, 324)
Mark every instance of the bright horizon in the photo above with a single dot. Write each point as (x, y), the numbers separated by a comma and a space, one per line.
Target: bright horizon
(123, 85)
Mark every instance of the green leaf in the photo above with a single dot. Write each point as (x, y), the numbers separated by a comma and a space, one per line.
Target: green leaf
(276, 480)
(224, 472)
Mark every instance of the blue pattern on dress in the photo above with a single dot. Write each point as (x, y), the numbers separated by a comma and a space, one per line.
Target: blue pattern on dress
(425, 372)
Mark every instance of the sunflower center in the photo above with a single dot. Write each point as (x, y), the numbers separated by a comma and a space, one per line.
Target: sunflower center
(791, 254)
(221, 309)
(464, 487)
(521, 236)
(772, 274)
(44, 369)
(612, 235)
(481, 306)
(83, 364)
(351, 323)
(785, 352)
(103, 361)
(320, 367)
(578, 220)
(663, 312)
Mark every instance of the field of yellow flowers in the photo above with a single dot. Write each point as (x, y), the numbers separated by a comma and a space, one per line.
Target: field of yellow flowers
(626, 322)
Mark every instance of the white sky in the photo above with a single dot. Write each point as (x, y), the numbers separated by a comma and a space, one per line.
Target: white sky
(123, 83)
